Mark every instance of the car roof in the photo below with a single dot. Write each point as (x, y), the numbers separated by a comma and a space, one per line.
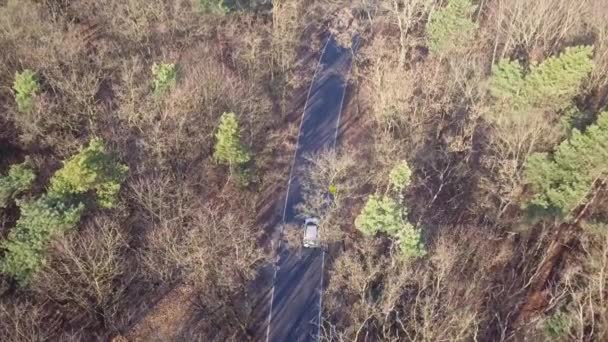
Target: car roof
(310, 232)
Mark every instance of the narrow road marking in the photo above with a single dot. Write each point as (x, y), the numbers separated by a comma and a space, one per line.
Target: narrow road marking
(295, 153)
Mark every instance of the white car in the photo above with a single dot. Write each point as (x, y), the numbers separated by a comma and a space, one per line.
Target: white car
(311, 233)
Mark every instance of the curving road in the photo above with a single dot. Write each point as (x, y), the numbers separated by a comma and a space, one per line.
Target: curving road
(296, 294)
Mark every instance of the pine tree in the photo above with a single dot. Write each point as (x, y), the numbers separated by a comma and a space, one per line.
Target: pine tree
(90, 169)
(563, 180)
(553, 83)
(19, 179)
(380, 214)
(39, 221)
(228, 148)
(550, 85)
(399, 176)
(451, 28)
(507, 85)
(385, 215)
(60, 209)
(25, 86)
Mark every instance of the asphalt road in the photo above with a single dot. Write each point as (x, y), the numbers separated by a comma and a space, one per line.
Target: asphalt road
(296, 294)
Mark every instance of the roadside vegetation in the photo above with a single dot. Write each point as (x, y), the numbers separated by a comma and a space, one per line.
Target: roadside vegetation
(144, 146)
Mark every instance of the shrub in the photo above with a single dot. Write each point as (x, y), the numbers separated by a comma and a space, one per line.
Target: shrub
(25, 86)
(213, 6)
(451, 27)
(228, 149)
(19, 179)
(40, 220)
(165, 76)
(91, 169)
(557, 325)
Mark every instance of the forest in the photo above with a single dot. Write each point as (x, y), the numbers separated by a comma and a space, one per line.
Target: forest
(145, 145)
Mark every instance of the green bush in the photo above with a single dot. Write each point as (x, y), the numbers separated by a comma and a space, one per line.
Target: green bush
(26, 86)
(40, 220)
(90, 169)
(564, 179)
(557, 325)
(228, 148)
(213, 6)
(451, 28)
(19, 179)
(165, 76)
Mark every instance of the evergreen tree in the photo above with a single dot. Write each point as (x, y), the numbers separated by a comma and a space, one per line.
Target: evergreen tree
(554, 82)
(380, 214)
(549, 85)
(400, 176)
(91, 169)
(386, 215)
(60, 209)
(19, 179)
(25, 86)
(228, 148)
(451, 28)
(39, 221)
(507, 85)
(409, 241)
(563, 180)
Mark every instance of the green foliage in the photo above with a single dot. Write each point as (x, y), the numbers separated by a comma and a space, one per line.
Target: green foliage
(380, 215)
(557, 325)
(333, 189)
(213, 6)
(385, 215)
(563, 180)
(19, 179)
(400, 176)
(554, 82)
(451, 27)
(410, 242)
(26, 86)
(549, 85)
(59, 210)
(91, 169)
(165, 76)
(228, 148)
(40, 220)
(507, 84)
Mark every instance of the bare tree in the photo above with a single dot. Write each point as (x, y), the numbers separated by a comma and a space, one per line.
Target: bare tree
(537, 27)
